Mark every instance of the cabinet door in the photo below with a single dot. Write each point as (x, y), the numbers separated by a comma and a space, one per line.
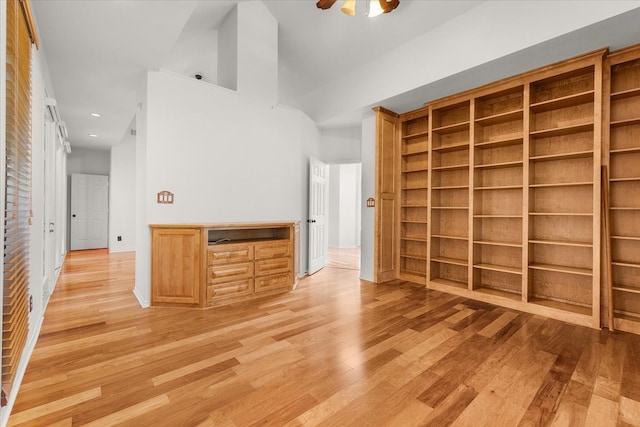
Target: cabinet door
(176, 265)
(273, 250)
(273, 266)
(227, 272)
(227, 290)
(275, 281)
(227, 253)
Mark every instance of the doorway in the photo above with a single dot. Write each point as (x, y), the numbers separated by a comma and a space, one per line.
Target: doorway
(345, 214)
(89, 211)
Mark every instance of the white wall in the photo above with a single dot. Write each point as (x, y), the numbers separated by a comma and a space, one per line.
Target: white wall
(344, 205)
(368, 190)
(122, 196)
(226, 158)
(334, 206)
(350, 200)
(257, 52)
(228, 51)
(36, 237)
(340, 145)
(88, 161)
(142, 289)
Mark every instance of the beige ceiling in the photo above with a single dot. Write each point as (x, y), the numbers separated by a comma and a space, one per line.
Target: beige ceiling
(98, 51)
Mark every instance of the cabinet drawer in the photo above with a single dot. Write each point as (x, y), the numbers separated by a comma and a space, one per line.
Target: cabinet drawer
(273, 266)
(273, 250)
(236, 288)
(223, 254)
(229, 272)
(276, 281)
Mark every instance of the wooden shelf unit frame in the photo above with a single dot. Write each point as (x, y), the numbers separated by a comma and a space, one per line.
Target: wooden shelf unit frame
(498, 193)
(513, 191)
(622, 136)
(564, 189)
(448, 216)
(414, 187)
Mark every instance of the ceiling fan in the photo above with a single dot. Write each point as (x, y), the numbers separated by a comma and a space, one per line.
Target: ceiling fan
(375, 7)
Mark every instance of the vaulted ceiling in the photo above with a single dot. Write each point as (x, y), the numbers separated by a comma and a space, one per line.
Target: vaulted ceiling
(97, 51)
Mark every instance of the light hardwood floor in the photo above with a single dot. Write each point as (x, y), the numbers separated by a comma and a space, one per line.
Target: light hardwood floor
(344, 258)
(336, 351)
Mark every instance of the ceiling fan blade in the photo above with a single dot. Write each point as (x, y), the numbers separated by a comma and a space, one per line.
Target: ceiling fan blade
(388, 5)
(325, 4)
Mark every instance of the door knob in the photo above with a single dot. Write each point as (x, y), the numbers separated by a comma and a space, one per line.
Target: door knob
(311, 220)
(74, 215)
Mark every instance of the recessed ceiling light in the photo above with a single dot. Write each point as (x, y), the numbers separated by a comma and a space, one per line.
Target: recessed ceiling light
(96, 115)
(93, 135)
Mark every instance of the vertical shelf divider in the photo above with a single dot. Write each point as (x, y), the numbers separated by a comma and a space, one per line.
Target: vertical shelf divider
(430, 198)
(526, 128)
(470, 244)
(597, 188)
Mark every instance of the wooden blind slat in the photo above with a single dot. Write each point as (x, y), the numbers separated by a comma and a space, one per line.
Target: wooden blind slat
(15, 318)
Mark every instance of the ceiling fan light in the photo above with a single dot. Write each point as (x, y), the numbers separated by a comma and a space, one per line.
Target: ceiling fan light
(388, 5)
(374, 8)
(349, 7)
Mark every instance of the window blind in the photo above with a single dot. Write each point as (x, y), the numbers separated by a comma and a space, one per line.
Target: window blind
(17, 209)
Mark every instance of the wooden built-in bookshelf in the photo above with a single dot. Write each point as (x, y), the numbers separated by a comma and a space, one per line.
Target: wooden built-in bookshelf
(500, 192)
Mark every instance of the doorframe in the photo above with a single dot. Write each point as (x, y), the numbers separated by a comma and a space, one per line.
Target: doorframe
(91, 178)
(358, 202)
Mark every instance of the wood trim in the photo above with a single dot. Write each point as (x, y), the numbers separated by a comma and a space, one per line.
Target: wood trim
(28, 15)
(509, 82)
(386, 197)
(383, 110)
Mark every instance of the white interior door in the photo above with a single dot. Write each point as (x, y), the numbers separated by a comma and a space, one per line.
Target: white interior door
(61, 207)
(318, 212)
(89, 211)
(49, 209)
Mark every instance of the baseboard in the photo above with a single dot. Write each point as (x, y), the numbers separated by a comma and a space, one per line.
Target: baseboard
(121, 251)
(22, 368)
(143, 303)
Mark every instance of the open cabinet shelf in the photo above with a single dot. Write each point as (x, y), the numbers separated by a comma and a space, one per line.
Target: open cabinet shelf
(414, 187)
(449, 194)
(624, 185)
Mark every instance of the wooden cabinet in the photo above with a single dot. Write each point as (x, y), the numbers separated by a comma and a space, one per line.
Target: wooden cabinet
(499, 191)
(386, 248)
(176, 265)
(238, 262)
(624, 185)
